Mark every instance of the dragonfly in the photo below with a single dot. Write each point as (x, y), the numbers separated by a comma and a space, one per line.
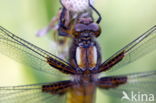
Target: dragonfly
(83, 69)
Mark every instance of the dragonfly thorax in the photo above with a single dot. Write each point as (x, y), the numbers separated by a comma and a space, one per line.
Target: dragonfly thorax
(84, 53)
(85, 41)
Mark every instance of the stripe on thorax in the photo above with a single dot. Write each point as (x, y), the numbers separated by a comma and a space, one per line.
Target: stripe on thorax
(86, 57)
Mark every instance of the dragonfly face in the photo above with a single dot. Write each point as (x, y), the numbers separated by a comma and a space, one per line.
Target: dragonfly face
(84, 26)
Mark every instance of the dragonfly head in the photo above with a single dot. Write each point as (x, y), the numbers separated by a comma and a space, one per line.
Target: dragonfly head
(81, 26)
(86, 26)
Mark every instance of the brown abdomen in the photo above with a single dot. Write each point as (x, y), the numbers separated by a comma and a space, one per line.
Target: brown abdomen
(82, 94)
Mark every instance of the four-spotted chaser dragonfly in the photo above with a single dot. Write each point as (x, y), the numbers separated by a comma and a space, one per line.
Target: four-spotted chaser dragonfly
(83, 67)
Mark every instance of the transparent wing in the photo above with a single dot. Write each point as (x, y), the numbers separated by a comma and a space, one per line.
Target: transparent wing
(27, 53)
(28, 94)
(137, 83)
(143, 45)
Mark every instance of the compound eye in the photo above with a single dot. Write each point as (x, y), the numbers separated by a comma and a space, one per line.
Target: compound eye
(80, 27)
(94, 27)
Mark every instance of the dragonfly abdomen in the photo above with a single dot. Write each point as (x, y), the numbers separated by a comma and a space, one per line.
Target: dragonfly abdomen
(84, 89)
(82, 94)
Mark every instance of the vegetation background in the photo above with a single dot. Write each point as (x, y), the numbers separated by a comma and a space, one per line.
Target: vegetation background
(122, 22)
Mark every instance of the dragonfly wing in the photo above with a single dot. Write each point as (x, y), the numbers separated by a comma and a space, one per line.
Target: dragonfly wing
(28, 94)
(137, 83)
(133, 51)
(27, 53)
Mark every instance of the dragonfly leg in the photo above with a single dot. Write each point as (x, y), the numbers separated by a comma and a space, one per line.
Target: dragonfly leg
(64, 22)
(62, 18)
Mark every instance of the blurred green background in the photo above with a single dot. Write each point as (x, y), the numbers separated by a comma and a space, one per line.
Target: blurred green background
(123, 21)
